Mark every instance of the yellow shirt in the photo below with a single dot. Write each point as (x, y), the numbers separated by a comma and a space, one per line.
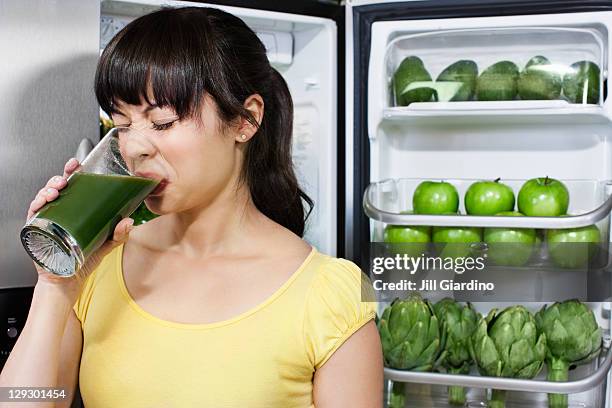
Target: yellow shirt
(262, 358)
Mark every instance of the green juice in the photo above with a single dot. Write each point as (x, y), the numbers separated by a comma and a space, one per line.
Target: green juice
(91, 205)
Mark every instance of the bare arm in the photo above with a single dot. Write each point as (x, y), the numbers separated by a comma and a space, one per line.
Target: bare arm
(35, 360)
(353, 375)
(48, 350)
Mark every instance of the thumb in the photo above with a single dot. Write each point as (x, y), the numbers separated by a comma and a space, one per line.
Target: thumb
(122, 230)
(120, 236)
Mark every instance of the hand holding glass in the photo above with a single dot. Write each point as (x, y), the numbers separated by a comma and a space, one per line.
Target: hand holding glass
(65, 232)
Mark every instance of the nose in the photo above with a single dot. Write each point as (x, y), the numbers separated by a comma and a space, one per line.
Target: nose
(136, 146)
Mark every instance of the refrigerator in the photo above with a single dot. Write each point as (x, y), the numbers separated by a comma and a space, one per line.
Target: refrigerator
(357, 154)
(396, 140)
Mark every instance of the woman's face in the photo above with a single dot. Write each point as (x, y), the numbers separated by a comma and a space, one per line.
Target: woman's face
(194, 160)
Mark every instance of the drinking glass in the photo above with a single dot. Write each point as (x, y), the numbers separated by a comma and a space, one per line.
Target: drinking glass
(65, 232)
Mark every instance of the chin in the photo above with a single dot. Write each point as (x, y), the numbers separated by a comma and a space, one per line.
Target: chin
(155, 204)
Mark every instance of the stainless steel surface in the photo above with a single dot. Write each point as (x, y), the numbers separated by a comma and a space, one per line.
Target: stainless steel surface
(48, 107)
(512, 384)
(573, 221)
(83, 150)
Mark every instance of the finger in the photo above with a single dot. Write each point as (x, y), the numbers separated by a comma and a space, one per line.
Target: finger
(120, 236)
(38, 202)
(47, 193)
(44, 196)
(57, 182)
(122, 230)
(51, 194)
(71, 166)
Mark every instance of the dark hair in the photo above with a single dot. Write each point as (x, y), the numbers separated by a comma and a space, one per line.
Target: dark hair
(183, 53)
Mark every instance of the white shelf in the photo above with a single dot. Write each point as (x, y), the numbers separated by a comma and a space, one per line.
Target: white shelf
(499, 111)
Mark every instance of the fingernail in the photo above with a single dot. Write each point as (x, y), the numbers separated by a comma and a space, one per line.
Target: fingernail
(72, 161)
(130, 225)
(49, 190)
(57, 178)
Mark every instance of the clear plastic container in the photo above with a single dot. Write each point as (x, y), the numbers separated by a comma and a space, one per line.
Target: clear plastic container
(542, 271)
(387, 201)
(494, 69)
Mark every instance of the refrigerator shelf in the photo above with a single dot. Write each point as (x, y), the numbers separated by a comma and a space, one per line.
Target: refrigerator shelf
(592, 380)
(590, 203)
(526, 112)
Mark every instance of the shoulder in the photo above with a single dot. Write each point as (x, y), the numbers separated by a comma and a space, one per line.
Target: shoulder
(339, 301)
(340, 277)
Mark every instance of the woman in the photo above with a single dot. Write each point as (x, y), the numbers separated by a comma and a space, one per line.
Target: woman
(218, 302)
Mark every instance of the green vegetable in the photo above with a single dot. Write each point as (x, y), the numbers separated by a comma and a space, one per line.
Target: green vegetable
(498, 82)
(539, 80)
(581, 84)
(459, 323)
(508, 344)
(411, 339)
(463, 72)
(411, 70)
(574, 337)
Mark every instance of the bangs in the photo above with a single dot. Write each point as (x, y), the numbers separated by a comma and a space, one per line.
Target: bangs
(151, 56)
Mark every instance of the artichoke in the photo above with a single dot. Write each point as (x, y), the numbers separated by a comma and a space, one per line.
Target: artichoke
(411, 339)
(574, 337)
(508, 344)
(459, 323)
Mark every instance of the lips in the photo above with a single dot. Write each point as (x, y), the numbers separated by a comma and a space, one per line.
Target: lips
(160, 187)
(162, 181)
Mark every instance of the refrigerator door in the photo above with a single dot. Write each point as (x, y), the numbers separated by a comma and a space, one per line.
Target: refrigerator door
(48, 108)
(396, 144)
(293, 42)
(364, 119)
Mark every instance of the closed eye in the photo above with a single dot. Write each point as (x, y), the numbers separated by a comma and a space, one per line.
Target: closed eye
(163, 126)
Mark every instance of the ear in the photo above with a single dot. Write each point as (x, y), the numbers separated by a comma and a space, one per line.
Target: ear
(246, 130)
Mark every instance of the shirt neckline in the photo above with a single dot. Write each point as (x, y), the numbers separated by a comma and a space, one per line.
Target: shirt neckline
(243, 315)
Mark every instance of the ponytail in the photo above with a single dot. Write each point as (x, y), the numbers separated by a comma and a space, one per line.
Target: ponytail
(268, 167)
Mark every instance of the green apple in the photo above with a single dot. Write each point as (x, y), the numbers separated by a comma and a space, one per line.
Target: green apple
(488, 198)
(433, 197)
(573, 247)
(458, 240)
(510, 246)
(543, 197)
(413, 240)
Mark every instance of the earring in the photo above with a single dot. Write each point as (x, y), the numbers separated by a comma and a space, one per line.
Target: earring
(243, 137)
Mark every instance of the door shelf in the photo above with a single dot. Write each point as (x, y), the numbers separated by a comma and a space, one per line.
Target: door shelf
(498, 112)
(553, 64)
(597, 375)
(590, 203)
